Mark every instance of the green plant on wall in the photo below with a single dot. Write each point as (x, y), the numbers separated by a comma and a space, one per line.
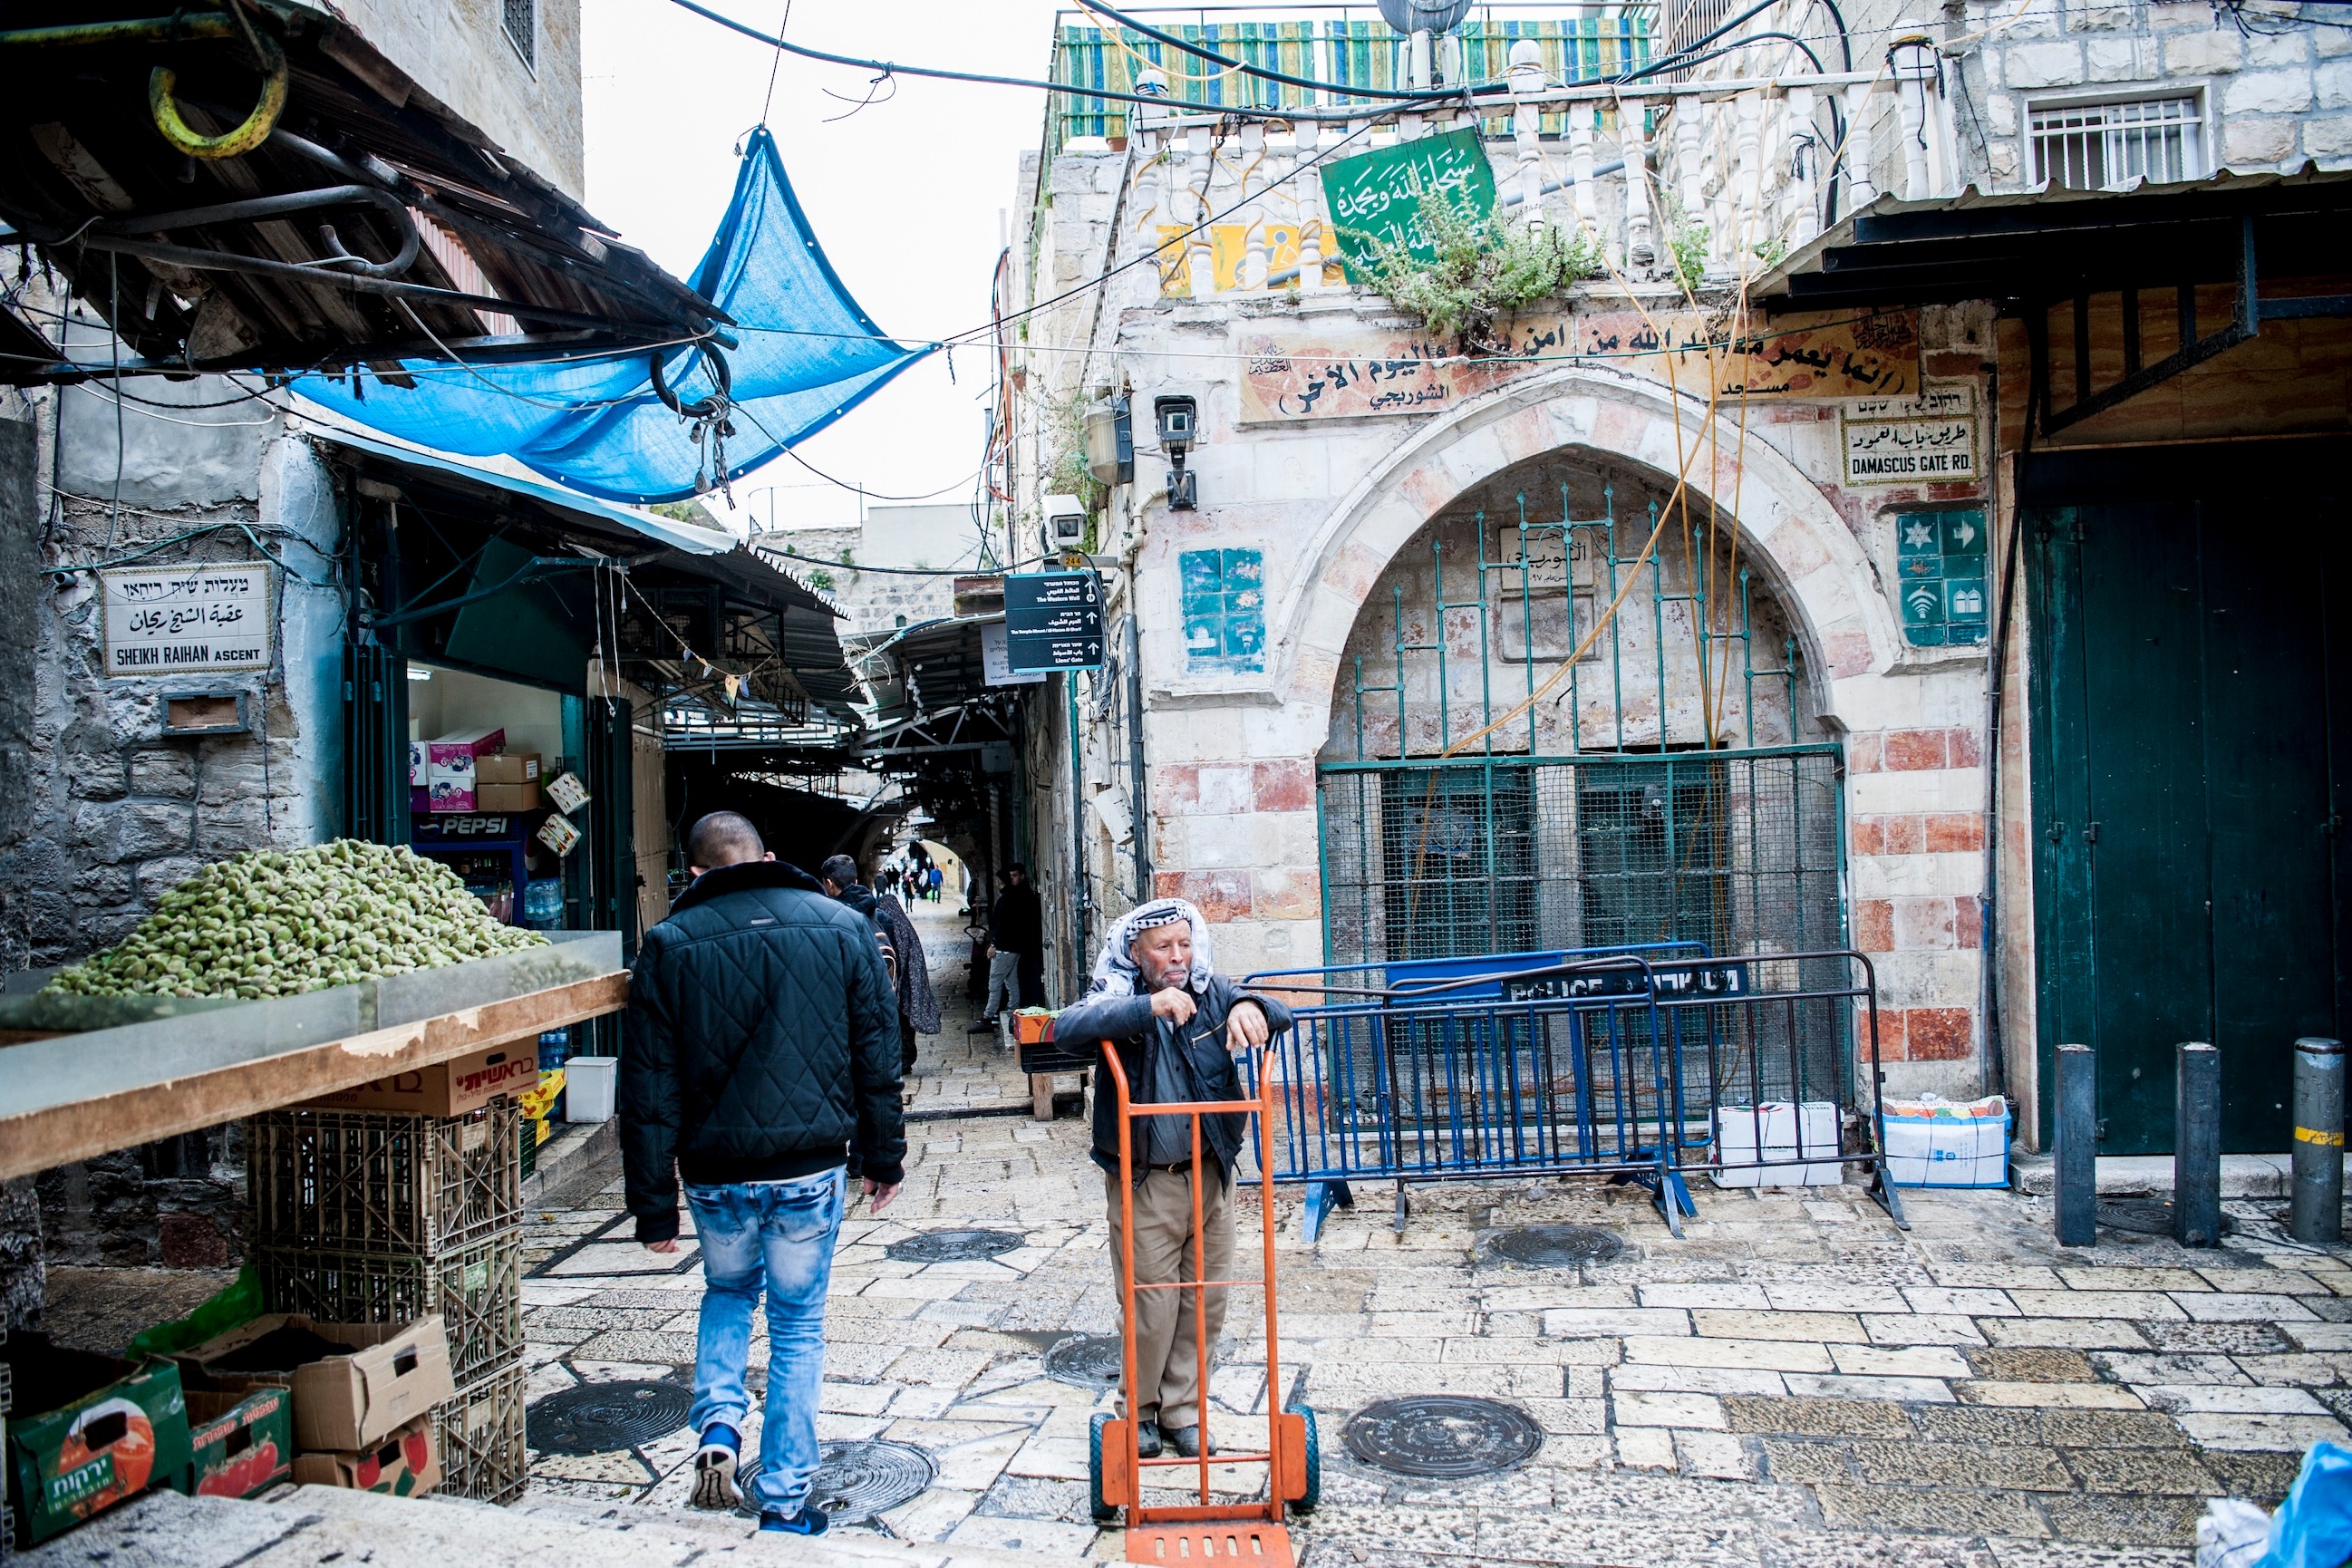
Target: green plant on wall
(1065, 433)
(1480, 269)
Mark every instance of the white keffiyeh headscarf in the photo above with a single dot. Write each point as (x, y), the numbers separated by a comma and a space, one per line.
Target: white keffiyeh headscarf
(1115, 974)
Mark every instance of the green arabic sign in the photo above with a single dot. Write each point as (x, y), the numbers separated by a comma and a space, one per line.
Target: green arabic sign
(1375, 197)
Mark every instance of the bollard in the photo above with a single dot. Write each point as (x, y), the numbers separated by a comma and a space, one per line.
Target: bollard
(2196, 1144)
(2316, 1212)
(2077, 1160)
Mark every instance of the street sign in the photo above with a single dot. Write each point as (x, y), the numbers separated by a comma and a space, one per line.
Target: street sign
(1054, 620)
(1940, 564)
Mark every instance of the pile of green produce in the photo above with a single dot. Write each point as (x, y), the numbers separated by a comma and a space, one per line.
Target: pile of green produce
(275, 923)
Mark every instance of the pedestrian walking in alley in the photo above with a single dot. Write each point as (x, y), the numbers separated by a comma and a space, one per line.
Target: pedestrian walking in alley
(1004, 967)
(1156, 999)
(919, 1009)
(1016, 924)
(761, 1038)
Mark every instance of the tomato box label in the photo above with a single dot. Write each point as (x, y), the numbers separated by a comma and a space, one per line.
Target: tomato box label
(239, 1444)
(100, 1429)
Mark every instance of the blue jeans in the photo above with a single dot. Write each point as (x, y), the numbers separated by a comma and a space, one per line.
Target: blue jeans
(779, 1234)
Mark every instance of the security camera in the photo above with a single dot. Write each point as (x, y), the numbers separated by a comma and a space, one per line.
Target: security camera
(1066, 524)
(1178, 419)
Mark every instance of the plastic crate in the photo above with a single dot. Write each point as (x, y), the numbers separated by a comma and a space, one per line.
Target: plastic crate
(382, 1181)
(477, 1288)
(480, 1434)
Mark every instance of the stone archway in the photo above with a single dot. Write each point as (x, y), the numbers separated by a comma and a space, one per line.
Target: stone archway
(1791, 532)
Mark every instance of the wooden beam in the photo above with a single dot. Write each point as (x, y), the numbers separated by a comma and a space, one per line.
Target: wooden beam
(60, 1134)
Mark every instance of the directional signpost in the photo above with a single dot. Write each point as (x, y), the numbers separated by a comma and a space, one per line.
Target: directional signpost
(1054, 620)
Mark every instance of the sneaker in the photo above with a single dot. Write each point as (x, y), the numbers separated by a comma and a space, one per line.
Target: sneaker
(1186, 1441)
(1147, 1438)
(982, 1026)
(714, 1468)
(808, 1521)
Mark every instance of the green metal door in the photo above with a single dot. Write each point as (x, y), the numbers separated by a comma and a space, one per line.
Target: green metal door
(2184, 880)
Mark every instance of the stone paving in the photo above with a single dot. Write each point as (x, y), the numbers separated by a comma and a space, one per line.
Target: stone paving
(1797, 1382)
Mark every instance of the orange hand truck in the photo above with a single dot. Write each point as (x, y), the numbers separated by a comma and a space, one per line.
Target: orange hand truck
(1190, 1532)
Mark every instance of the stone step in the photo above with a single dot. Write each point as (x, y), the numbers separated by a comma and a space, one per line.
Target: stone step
(303, 1527)
(857, 1548)
(2135, 1175)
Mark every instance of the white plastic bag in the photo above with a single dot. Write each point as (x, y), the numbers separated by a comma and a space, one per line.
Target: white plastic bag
(2231, 1534)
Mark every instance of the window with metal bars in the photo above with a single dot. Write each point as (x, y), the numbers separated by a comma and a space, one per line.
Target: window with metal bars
(2105, 146)
(520, 20)
(1458, 861)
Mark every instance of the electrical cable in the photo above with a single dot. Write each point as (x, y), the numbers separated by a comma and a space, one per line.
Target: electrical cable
(1201, 52)
(988, 80)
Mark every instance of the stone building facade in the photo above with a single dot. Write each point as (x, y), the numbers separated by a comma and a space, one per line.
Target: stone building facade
(1340, 510)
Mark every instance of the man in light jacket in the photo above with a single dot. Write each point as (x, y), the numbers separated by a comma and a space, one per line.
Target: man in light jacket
(1176, 1024)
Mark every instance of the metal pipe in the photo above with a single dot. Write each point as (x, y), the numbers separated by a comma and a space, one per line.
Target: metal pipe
(259, 208)
(2197, 1145)
(2077, 1148)
(2316, 1213)
(1143, 890)
(155, 30)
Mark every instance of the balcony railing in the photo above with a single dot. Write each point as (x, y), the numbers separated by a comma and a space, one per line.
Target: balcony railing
(1742, 168)
(1345, 46)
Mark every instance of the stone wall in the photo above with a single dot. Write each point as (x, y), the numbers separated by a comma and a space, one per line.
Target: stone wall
(101, 812)
(460, 54)
(2272, 98)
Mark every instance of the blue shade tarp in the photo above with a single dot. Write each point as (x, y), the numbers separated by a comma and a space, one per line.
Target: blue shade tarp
(805, 355)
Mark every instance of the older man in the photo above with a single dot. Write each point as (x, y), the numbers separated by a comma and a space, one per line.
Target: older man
(1175, 1023)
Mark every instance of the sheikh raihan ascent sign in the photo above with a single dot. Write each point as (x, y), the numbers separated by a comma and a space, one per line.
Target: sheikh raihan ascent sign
(164, 620)
(1828, 355)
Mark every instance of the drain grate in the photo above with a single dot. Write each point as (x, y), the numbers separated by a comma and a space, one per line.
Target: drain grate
(955, 1247)
(1442, 1435)
(2145, 1217)
(1088, 1360)
(856, 1481)
(600, 1417)
(1554, 1246)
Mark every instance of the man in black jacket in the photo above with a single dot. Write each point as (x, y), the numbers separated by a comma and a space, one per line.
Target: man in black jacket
(1016, 924)
(1175, 1023)
(761, 1038)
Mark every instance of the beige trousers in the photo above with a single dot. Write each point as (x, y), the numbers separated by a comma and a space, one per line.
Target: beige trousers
(1167, 1371)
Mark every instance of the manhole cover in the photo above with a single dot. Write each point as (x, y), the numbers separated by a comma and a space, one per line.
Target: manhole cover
(955, 1245)
(1089, 1361)
(1554, 1246)
(598, 1418)
(1442, 1435)
(855, 1481)
(2147, 1216)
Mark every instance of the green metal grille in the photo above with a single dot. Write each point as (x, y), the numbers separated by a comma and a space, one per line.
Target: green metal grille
(1346, 52)
(1737, 851)
(1481, 792)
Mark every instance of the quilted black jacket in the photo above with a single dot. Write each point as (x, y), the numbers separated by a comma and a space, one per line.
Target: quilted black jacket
(761, 1038)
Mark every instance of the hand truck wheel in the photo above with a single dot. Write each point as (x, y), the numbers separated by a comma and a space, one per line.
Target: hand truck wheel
(1104, 1513)
(1305, 1502)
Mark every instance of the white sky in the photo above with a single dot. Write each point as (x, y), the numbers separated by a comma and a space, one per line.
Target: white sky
(904, 196)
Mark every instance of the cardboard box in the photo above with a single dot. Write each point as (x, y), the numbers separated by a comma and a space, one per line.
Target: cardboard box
(395, 1373)
(88, 1431)
(506, 768)
(452, 764)
(417, 756)
(447, 1088)
(507, 796)
(239, 1443)
(558, 834)
(567, 791)
(404, 1465)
